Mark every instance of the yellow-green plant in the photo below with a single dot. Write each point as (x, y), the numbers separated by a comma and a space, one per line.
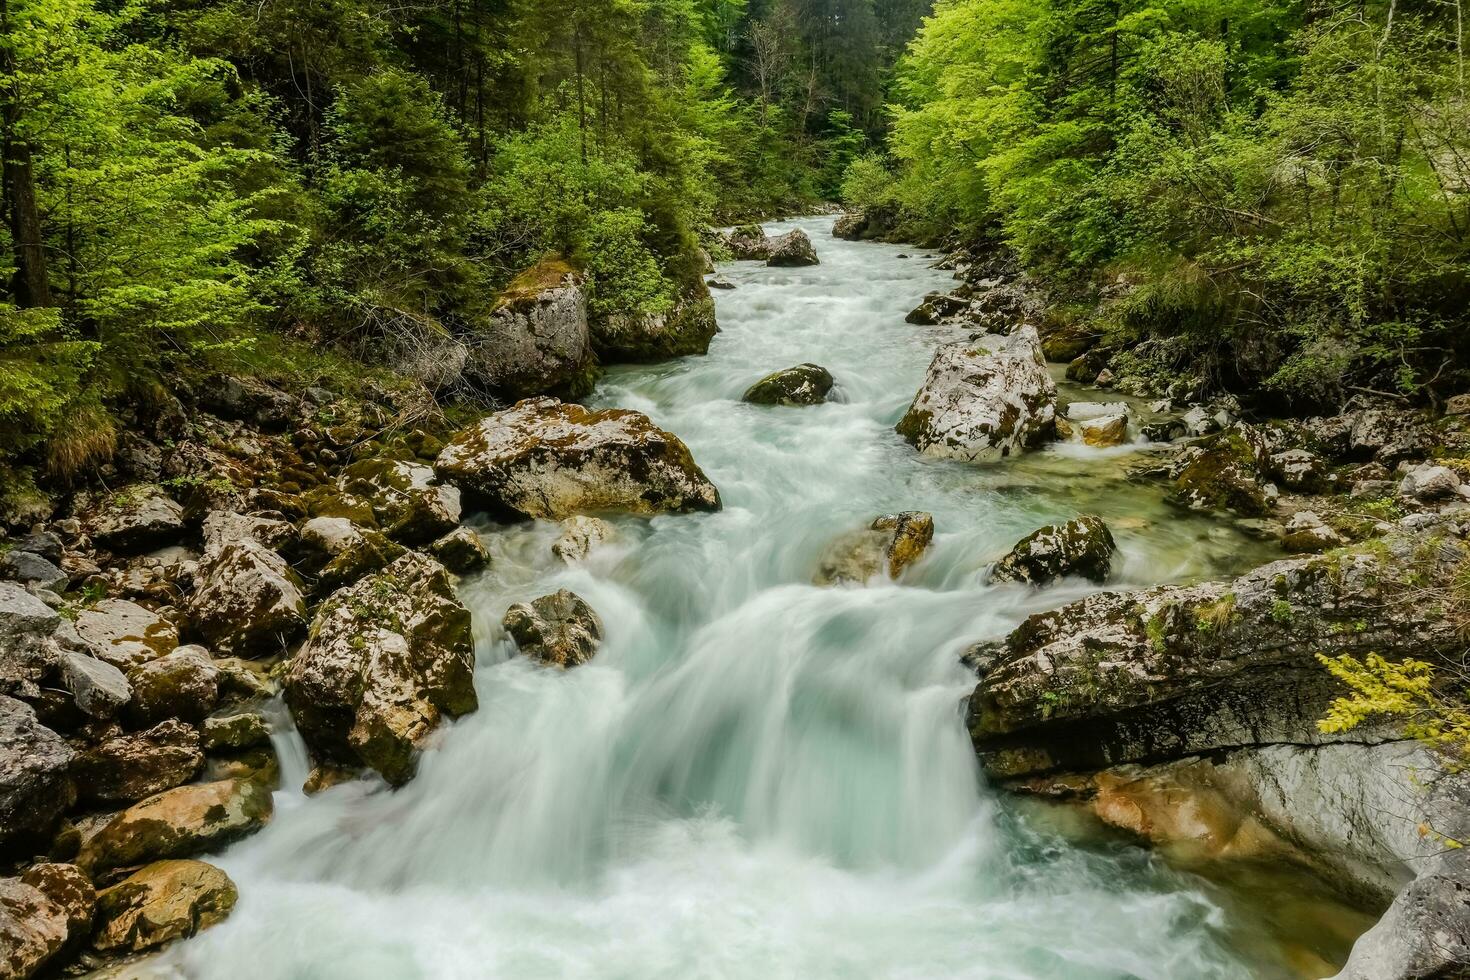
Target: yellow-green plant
(1410, 691)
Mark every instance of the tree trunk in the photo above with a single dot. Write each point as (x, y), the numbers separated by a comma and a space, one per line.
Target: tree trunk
(31, 285)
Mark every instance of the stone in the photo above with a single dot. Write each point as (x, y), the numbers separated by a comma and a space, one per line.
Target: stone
(1179, 670)
(890, 544)
(35, 775)
(338, 552)
(386, 660)
(936, 309)
(850, 227)
(29, 569)
(685, 329)
(1088, 411)
(47, 544)
(748, 243)
(160, 903)
(537, 339)
(130, 767)
(222, 527)
(1457, 405)
(546, 459)
(182, 684)
(408, 503)
(558, 629)
(1199, 422)
(247, 599)
(579, 536)
(67, 887)
(1427, 482)
(805, 384)
(1066, 343)
(1300, 470)
(1307, 532)
(461, 551)
(791, 249)
(27, 648)
(135, 520)
(720, 282)
(235, 731)
(249, 400)
(983, 399)
(1082, 546)
(99, 689)
(1222, 472)
(33, 929)
(1109, 430)
(177, 823)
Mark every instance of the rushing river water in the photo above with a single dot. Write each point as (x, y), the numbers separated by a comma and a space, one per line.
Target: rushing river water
(755, 777)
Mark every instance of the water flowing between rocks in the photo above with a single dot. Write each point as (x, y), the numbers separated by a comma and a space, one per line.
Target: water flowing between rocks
(757, 777)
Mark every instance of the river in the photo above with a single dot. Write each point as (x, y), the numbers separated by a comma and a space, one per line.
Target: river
(755, 777)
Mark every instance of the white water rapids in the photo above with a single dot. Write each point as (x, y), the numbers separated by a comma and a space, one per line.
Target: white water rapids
(755, 777)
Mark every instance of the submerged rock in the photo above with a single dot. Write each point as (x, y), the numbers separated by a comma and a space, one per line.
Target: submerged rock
(1082, 546)
(983, 399)
(546, 459)
(162, 902)
(579, 536)
(805, 384)
(537, 339)
(558, 629)
(791, 249)
(385, 661)
(889, 545)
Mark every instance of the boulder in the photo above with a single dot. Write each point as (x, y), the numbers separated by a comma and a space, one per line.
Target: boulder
(1082, 546)
(543, 458)
(47, 544)
(1384, 435)
(131, 767)
(1299, 470)
(99, 689)
(983, 399)
(850, 227)
(126, 634)
(28, 650)
(36, 783)
(222, 527)
(1427, 482)
(33, 929)
(805, 384)
(537, 339)
(1087, 411)
(1306, 532)
(1222, 472)
(337, 552)
(33, 570)
(791, 249)
(1178, 670)
(558, 629)
(179, 822)
(385, 661)
(247, 599)
(183, 684)
(1102, 432)
(234, 731)
(1064, 344)
(249, 400)
(936, 308)
(720, 282)
(686, 328)
(408, 503)
(889, 545)
(135, 520)
(162, 902)
(748, 243)
(67, 887)
(579, 536)
(461, 551)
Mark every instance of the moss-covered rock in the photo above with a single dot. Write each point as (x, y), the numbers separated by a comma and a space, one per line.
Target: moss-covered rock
(537, 339)
(162, 902)
(560, 629)
(248, 600)
(179, 822)
(805, 384)
(1082, 546)
(684, 329)
(887, 546)
(408, 503)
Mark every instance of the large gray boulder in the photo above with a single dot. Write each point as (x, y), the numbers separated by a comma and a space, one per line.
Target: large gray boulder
(558, 629)
(537, 339)
(546, 459)
(1164, 673)
(685, 328)
(99, 689)
(983, 399)
(386, 660)
(247, 600)
(135, 519)
(182, 684)
(1082, 546)
(28, 650)
(791, 249)
(36, 783)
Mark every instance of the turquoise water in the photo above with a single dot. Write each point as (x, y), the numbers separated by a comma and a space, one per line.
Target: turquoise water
(756, 777)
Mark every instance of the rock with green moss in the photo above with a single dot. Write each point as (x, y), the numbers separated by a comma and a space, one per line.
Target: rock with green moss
(685, 328)
(1223, 472)
(125, 634)
(983, 399)
(181, 684)
(386, 660)
(1082, 546)
(748, 243)
(247, 600)
(135, 519)
(337, 552)
(546, 459)
(160, 903)
(408, 503)
(1179, 670)
(537, 339)
(461, 551)
(805, 384)
(179, 822)
(791, 249)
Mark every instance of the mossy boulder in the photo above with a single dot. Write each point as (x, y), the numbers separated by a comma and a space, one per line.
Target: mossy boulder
(337, 552)
(386, 660)
(791, 249)
(1082, 546)
(685, 328)
(537, 339)
(160, 903)
(551, 460)
(407, 502)
(248, 601)
(179, 822)
(805, 384)
(560, 629)
(182, 684)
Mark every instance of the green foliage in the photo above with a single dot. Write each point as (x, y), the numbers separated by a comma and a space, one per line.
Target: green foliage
(1406, 691)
